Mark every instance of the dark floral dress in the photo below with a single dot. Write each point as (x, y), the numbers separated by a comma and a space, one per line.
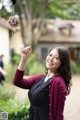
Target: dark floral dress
(39, 100)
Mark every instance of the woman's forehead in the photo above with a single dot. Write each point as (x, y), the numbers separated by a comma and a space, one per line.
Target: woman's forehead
(54, 51)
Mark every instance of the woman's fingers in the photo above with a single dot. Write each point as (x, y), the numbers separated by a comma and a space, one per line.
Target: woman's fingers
(27, 50)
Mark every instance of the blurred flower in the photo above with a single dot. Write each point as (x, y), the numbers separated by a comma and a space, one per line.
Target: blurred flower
(13, 22)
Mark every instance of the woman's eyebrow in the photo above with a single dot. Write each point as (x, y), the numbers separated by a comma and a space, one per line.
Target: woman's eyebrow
(54, 54)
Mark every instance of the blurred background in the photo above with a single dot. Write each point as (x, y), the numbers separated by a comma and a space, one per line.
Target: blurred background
(43, 24)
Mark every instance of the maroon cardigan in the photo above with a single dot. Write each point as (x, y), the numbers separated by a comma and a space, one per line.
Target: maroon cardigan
(57, 92)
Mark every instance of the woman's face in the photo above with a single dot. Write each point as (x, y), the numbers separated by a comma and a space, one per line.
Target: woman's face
(53, 61)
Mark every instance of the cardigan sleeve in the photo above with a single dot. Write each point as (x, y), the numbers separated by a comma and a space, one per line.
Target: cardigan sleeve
(61, 97)
(22, 82)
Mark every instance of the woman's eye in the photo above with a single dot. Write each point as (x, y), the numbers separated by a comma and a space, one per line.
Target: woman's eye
(57, 58)
(50, 54)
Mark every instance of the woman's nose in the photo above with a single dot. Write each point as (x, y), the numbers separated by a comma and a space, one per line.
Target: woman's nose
(51, 58)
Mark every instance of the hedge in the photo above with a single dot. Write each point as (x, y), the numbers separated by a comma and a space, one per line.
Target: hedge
(15, 109)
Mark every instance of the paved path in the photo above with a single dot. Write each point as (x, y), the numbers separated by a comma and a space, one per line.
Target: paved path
(72, 105)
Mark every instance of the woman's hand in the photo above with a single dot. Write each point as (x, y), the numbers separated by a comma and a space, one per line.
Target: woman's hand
(3, 71)
(25, 52)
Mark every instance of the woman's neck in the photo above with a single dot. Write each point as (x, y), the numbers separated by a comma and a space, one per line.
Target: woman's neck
(50, 74)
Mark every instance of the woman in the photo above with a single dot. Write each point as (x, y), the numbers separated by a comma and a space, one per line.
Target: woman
(2, 71)
(47, 93)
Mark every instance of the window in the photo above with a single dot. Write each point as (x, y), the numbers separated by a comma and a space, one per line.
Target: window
(44, 52)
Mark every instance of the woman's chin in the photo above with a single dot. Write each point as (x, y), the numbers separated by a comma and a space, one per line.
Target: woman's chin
(49, 67)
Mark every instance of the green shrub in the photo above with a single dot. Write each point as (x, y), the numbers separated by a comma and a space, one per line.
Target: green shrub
(34, 66)
(75, 67)
(16, 110)
(10, 72)
(37, 68)
(7, 91)
(15, 59)
(29, 64)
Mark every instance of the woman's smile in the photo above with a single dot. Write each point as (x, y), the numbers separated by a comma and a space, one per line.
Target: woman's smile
(50, 63)
(53, 60)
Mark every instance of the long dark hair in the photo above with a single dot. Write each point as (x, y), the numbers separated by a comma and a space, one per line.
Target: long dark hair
(65, 67)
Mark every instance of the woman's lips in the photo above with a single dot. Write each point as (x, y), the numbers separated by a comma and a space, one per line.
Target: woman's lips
(50, 63)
